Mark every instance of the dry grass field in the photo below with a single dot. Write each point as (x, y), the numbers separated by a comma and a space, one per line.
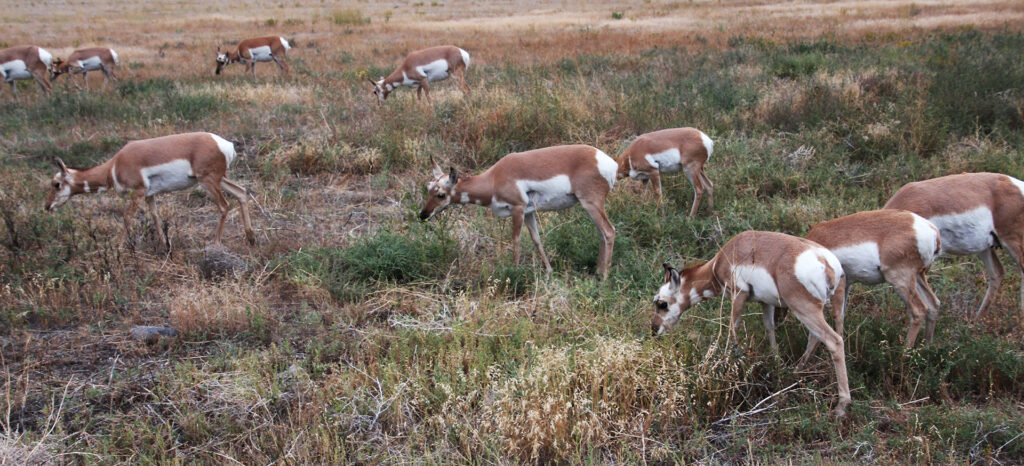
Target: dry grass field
(355, 333)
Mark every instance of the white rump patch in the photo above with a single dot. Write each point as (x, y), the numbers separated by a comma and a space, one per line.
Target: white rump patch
(668, 161)
(708, 143)
(465, 57)
(114, 54)
(927, 236)
(607, 167)
(46, 58)
(968, 232)
(756, 281)
(226, 148)
(810, 271)
(554, 193)
(1018, 183)
(436, 70)
(171, 176)
(285, 43)
(861, 262)
(16, 69)
(261, 53)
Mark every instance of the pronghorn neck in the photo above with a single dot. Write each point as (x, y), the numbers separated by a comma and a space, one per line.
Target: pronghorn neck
(94, 180)
(700, 280)
(473, 190)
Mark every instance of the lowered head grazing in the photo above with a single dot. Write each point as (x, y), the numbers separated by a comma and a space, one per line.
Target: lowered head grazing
(439, 192)
(676, 295)
(380, 90)
(62, 187)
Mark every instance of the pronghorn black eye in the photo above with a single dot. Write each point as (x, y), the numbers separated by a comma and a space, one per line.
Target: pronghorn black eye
(56, 185)
(440, 196)
(661, 305)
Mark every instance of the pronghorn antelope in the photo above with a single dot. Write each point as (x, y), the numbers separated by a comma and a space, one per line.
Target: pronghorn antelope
(524, 183)
(83, 61)
(25, 62)
(669, 151)
(422, 67)
(975, 213)
(894, 246)
(250, 51)
(777, 270)
(149, 167)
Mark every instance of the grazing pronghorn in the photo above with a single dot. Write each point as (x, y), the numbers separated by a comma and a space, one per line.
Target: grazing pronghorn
(82, 61)
(25, 62)
(422, 67)
(669, 151)
(975, 213)
(149, 167)
(894, 246)
(250, 51)
(523, 183)
(777, 270)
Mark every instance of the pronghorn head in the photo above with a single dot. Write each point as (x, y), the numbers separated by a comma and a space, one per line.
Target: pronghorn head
(57, 68)
(223, 59)
(439, 191)
(62, 187)
(381, 90)
(679, 292)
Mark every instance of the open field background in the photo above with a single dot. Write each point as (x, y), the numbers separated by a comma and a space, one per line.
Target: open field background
(358, 334)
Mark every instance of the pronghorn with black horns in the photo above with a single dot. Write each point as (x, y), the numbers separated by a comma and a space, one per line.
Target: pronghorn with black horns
(82, 61)
(670, 151)
(423, 67)
(774, 269)
(148, 167)
(257, 49)
(26, 62)
(879, 246)
(524, 183)
(975, 213)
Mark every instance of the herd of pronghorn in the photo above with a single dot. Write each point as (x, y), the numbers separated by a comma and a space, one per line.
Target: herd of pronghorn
(970, 213)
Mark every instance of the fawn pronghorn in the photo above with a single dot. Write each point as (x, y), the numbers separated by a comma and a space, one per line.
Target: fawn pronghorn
(669, 151)
(777, 270)
(25, 62)
(422, 67)
(975, 213)
(82, 61)
(524, 183)
(894, 246)
(149, 167)
(250, 51)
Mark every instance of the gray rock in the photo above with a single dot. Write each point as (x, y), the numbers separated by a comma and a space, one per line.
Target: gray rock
(151, 334)
(217, 262)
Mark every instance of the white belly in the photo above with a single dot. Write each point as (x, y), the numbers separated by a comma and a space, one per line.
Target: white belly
(171, 176)
(90, 64)
(16, 69)
(261, 53)
(436, 70)
(667, 162)
(757, 282)
(551, 194)
(861, 262)
(965, 233)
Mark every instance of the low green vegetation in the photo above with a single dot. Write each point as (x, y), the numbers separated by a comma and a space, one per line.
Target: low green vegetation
(359, 334)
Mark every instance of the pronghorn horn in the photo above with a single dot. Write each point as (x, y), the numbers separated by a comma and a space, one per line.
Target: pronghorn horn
(60, 164)
(671, 274)
(372, 81)
(453, 177)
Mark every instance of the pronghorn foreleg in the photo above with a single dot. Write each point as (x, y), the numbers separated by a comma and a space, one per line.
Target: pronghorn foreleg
(214, 188)
(106, 75)
(605, 228)
(517, 230)
(655, 176)
(43, 85)
(279, 65)
(157, 223)
(242, 195)
(739, 298)
(768, 316)
(708, 187)
(531, 225)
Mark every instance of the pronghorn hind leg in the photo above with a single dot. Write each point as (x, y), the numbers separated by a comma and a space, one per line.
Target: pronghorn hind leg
(812, 316)
(531, 225)
(517, 230)
(607, 232)
(930, 300)
(242, 195)
(213, 187)
(994, 277)
(708, 188)
(698, 190)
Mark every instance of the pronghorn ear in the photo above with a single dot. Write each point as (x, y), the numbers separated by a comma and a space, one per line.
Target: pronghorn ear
(453, 177)
(436, 168)
(671, 275)
(60, 164)
(372, 82)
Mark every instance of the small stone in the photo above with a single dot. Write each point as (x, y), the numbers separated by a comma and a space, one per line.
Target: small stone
(217, 261)
(150, 334)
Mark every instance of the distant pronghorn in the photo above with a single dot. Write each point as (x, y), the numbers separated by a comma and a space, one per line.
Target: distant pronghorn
(149, 167)
(669, 151)
(25, 62)
(894, 246)
(777, 270)
(83, 61)
(422, 67)
(975, 213)
(523, 183)
(258, 49)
